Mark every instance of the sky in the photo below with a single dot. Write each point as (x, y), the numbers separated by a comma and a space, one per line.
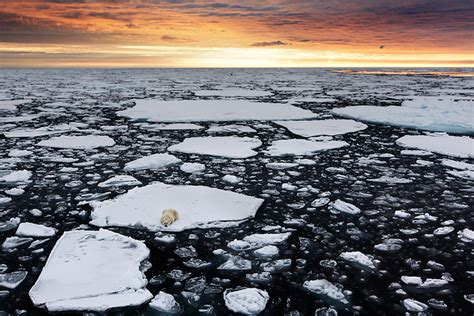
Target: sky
(264, 33)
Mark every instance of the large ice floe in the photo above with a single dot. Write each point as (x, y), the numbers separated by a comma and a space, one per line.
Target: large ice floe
(322, 127)
(41, 131)
(212, 110)
(197, 206)
(92, 271)
(425, 113)
(455, 146)
(225, 146)
(287, 147)
(78, 142)
(152, 162)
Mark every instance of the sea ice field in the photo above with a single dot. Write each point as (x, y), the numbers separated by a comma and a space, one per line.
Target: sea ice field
(297, 192)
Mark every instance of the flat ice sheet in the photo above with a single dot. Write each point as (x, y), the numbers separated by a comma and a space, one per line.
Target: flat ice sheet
(78, 142)
(225, 146)
(455, 146)
(232, 92)
(197, 206)
(322, 127)
(424, 113)
(212, 110)
(87, 267)
(288, 147)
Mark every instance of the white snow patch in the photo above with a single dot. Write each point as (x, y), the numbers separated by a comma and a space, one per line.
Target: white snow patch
(197, 206)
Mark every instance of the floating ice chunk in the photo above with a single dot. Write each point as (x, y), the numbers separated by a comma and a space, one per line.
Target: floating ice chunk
(15, 242)
(267, 251)
(325, 288)
(322, 127)
(232, 92)
(34, 230)
(119, 181)
(466, 235)
(320, 202)
(231, 179)
(422, 113)
(456, 146)
(213, 110)
(192, 167)
(267, 239)
(390, 180)
(95, 270)
(301, 147)
(247, 301)
(463, 174)
(410, 152)
(164, 302)
(19, 153)
(11, 105)
(440, 231)
(226, 146)
(233, 128)
(20, 176)
(358, 259)
(15, 191)
(236, 263)
(38, 132)
(340, 206)
(457, 164)
(281, 165)
(276, 266)
(152, 162)
(78, 142)
(414, 306)
(177, 127)
(238, 245)
(197, 206)
(13, 279)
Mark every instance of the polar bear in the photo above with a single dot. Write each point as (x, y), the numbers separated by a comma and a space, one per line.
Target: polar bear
(169, 216)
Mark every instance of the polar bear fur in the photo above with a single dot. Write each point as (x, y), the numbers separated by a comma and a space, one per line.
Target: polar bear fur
(169, 216)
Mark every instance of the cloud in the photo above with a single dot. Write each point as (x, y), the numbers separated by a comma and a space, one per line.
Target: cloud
(266, 44)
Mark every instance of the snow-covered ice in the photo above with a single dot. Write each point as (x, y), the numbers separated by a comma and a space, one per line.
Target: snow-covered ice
(225, 146)
(425, 113)
(94, 270)
(301, 147)
(322, 127)
(192, 167)
(152, 162)
(34, 230)
(197, 206)
(455, 146)
(212, 110)
(325, 288)
(78, 142)
(119, 181)
(232, 92)
(247, 301)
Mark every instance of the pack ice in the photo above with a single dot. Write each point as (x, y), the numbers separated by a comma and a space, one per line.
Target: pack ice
(212, 110)
(197, 206)
(92, 271)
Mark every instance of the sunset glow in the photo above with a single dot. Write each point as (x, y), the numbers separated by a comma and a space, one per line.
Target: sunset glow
(180, 33)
